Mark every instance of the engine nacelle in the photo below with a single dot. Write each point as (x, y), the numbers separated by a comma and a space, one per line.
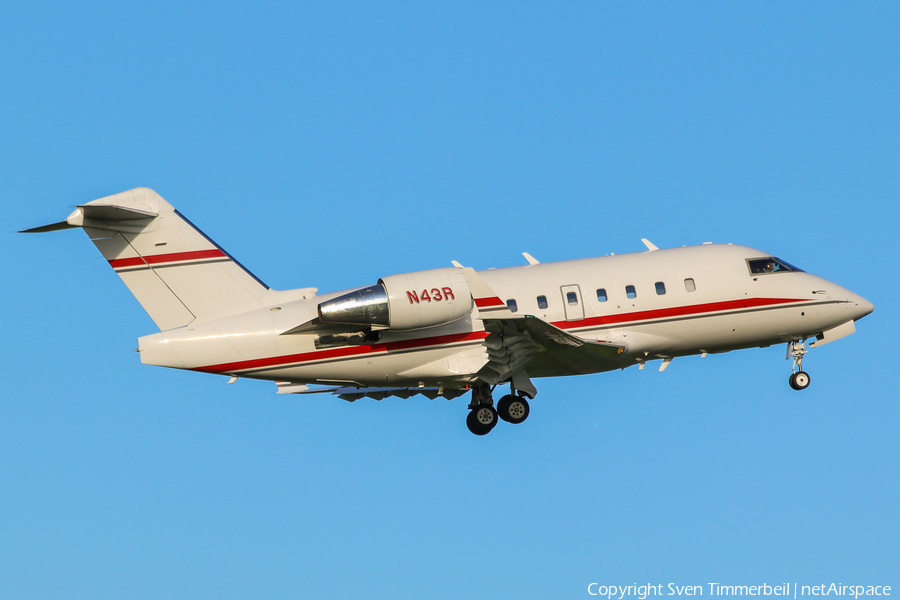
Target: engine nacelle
(407, 301)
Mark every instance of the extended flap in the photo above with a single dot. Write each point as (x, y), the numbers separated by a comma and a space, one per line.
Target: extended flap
(555, 353)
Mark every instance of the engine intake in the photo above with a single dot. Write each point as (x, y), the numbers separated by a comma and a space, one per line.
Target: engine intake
(407, 301)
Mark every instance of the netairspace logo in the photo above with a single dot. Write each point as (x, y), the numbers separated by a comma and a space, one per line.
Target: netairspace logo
(641, 592)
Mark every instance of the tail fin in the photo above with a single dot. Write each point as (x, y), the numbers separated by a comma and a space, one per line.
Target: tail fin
(175, 271)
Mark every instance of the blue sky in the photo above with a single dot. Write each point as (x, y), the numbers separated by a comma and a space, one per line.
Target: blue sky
(331, 144)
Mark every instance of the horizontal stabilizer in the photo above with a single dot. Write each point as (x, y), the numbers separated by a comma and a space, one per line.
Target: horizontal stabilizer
(113, 217)
(112, 212)
(99, 216)
(52, 227)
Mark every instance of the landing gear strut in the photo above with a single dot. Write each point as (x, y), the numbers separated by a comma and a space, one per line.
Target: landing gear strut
(799, 379)
(483, 417)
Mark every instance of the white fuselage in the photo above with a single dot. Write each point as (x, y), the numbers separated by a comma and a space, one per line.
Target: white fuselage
(708, 301)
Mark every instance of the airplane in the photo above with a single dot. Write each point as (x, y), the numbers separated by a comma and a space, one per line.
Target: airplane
(448, 331)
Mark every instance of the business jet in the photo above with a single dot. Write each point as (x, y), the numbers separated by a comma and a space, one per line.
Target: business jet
(449, 331)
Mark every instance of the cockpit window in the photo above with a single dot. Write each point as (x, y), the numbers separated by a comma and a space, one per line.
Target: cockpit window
(762, 266)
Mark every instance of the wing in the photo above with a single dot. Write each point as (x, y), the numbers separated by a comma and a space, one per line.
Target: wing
(524, 346)
(545, 350)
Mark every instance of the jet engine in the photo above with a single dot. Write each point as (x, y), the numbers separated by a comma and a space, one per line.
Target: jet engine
(407, 301)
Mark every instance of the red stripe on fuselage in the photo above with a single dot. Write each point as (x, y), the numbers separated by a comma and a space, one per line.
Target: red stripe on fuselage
(482, 302)
(166, 258)
(677, 311)
(273, 361)
(646, 315)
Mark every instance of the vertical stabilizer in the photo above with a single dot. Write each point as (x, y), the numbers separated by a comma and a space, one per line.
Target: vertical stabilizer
(175, 271)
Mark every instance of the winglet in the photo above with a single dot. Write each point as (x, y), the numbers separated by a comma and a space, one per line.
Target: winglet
(531, 260)
(489, 304)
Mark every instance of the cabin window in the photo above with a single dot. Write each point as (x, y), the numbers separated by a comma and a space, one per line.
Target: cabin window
(689, 285)
(762, 266)
(542, 301)
(660, 288)
(572, 298)
(630, 292)
(511, 305)
(601, 294)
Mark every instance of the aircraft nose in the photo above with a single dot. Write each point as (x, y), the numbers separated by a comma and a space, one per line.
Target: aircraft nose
(862, 308)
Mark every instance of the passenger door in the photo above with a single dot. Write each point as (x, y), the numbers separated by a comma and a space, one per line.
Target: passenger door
(572, 301)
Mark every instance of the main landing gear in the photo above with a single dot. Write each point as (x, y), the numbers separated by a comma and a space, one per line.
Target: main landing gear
(512, 408)
(799, 379)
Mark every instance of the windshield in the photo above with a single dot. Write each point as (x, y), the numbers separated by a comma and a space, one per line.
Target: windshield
(770, 264)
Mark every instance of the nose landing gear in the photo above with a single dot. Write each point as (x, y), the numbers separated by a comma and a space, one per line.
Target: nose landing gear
(799, 379)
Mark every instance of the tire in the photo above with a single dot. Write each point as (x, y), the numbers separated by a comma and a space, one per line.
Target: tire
(791, 382)
(513, 409)
(799, 380)
(481, 420)
(503, 407)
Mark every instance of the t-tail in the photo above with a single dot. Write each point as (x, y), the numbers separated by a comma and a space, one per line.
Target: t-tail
(177, 273)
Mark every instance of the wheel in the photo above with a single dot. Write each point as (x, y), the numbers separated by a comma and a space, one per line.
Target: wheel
(518, 410)
(513, 409)
(799, 380)
(481, 419)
